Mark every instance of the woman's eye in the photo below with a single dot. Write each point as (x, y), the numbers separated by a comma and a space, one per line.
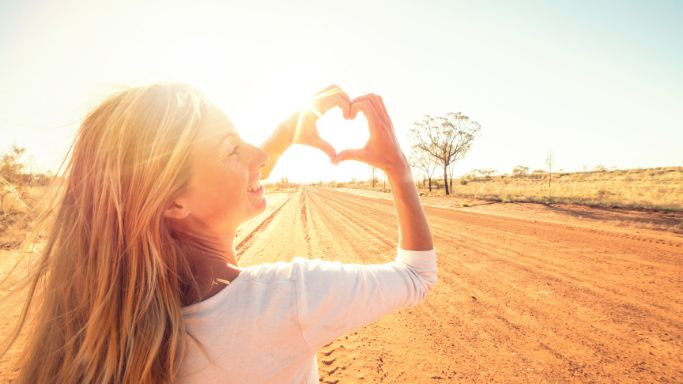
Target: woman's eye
(234, 151)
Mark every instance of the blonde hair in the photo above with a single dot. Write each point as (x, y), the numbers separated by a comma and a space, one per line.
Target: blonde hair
(106, 293)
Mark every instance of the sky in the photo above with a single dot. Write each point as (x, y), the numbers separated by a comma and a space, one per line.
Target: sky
(593, 82)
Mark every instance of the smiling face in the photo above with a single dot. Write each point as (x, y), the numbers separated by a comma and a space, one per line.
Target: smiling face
(224, 189)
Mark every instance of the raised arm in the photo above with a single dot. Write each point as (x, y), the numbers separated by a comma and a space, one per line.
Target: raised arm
(334, 298)
(384, 152)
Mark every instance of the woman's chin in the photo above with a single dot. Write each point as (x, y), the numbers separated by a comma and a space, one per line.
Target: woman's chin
(259, 202)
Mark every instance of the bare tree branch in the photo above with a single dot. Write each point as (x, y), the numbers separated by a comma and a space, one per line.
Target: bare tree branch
(446, 139)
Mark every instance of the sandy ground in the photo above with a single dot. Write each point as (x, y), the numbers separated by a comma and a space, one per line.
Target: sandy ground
(526, 294)
(550, 297)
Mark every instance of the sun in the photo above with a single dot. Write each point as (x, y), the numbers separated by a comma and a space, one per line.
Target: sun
(257, 99)
(277, 95)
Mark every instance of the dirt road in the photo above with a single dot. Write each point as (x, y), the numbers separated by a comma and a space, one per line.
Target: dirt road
(526, 293)
(520, 299)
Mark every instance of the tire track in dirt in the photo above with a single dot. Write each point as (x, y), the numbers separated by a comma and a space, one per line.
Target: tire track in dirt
(330, 236)
(330, 233)
(354, 241)
(484, 267)
(399, 330)
(522, 259)
(517, 300)
(245, 242)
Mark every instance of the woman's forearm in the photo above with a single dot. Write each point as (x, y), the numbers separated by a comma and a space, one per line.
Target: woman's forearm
(275, 145)
(413, 230)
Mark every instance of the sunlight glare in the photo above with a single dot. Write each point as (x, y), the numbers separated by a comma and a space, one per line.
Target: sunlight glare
(275, 96)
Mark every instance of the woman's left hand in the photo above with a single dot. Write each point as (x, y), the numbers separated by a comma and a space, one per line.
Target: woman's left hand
(301, 127)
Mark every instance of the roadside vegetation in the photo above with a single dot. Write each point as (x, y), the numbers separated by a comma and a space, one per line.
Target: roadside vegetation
(437, 143)
(649, 188)
(20, 191)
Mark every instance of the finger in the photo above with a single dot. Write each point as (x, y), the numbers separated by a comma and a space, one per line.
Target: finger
(327, 148)
(320, 107)
(378, 106)
(333, 87)
(381, 110)
(364, 104)
(330, 97)
(342, 101)
(346, 109)
(348, 154)
(380, 103)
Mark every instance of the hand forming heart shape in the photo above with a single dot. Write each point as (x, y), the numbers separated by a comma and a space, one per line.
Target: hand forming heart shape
(306, 129)
(382, 149)
(343, 134)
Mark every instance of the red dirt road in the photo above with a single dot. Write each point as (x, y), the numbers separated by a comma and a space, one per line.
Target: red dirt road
(519, 299)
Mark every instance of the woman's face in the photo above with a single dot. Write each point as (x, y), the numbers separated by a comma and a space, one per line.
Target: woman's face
(224, 188)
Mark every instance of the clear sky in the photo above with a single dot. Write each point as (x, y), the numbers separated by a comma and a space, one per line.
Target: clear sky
(595, 82)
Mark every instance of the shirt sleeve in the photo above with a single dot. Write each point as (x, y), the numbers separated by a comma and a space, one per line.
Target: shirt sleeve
(335, 298)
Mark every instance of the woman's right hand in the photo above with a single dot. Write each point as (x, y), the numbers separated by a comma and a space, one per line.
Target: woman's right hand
(382, 149)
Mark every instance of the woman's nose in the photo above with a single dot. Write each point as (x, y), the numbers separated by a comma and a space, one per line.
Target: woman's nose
(259, 158)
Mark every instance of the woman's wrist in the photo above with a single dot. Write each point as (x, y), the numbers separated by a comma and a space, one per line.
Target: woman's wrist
(286, 130)
(280, 139)
(399, 171)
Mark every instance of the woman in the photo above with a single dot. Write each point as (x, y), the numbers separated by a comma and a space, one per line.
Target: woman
(138, 281)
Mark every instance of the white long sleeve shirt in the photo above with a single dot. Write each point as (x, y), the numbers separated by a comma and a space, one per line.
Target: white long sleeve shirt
(268, 324)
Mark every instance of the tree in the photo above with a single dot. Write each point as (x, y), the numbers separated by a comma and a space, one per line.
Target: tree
(485, 173)
(10, 166)
(520, 171)
(451, 169)
(424, 162)
(446, 138)
(10, 174)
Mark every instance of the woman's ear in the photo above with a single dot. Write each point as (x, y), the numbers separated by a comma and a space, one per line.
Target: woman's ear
(176, 210)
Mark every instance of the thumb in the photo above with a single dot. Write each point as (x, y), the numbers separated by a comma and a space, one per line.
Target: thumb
(348, 154)
(327, 148)
(346, 111)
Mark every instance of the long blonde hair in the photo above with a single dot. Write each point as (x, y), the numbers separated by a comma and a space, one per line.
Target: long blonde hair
(106, 293)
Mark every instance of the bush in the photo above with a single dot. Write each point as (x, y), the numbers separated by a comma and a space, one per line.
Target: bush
(520, 171)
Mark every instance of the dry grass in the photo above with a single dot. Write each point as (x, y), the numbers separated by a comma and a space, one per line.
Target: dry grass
(653, 188)
(15, 220)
